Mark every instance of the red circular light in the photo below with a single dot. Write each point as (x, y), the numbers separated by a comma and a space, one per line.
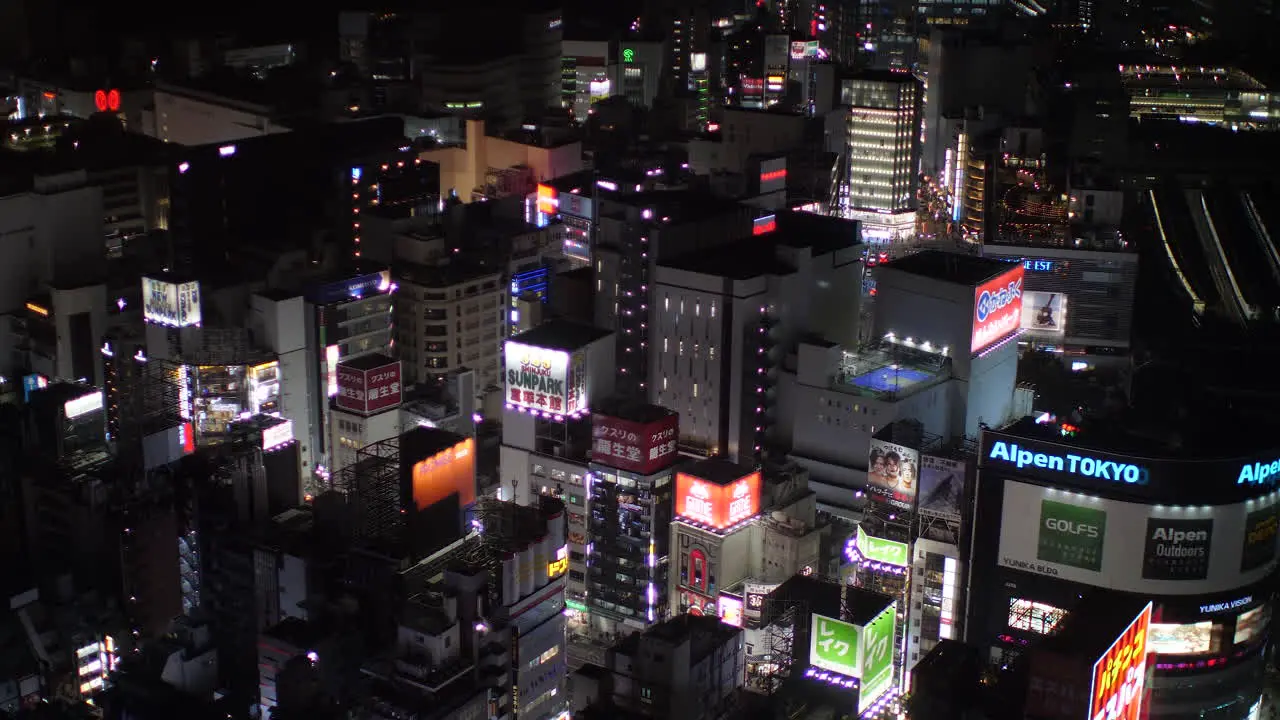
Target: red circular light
(100, 100)
(113, 100)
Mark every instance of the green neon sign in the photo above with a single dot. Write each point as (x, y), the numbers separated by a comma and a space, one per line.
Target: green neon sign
(628, 55)
(881, 550)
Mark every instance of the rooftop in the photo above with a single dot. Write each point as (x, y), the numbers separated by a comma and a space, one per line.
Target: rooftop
(949, 267)
(1157, 437)
(759, 254)
(703, 633)
(719, 470)
(632, 410)
(560, 335)
(890, 371)
(369, 362)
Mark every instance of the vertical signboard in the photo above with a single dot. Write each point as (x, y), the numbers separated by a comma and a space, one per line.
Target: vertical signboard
(1118, 687)
(997, 308)
(877, 657)
(351, 390)
(382, 387)
(941, 487)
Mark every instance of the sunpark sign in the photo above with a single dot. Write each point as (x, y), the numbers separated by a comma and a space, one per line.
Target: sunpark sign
(1083, 465)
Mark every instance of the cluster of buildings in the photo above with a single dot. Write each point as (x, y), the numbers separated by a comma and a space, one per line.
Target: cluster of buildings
(674, 375)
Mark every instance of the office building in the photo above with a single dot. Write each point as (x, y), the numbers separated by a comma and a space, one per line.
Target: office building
(883, 151)
(366, 409)
(722, 320)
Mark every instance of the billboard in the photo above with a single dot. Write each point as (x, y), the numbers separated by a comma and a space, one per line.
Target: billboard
(1259, 544)
(1071, 534)
(82, 405)
(277, 435)
(753, 595)
(575, 205)
(892, 472)
(834, 645)
(941, 487)
(369, 390)
(877, 657)
(1181, 639)
(172, 304)
(1118, 686)
(1135, 547)
(717, 506)
(881, 550)
(444, 473)
(32, 383)
(641, 448)
(1251, 623)
(352, 288)
(801, 50)
(730, 610)
(863, 652)
(540, 379)
(1044, 314)
(548, 200)
(997, 308)
(1177, 549)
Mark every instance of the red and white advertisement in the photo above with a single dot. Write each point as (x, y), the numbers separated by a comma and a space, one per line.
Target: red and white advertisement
(1118, 690)
(642, 448)
(714, 505)
(369, 391)
(997, 308)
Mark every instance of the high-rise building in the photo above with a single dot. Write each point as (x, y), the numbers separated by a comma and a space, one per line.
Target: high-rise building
(883, 150)
(721, 322)
(366, 409)
(633, 453)
(636, 231)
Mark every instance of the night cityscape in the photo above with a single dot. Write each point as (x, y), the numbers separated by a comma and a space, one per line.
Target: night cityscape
(639, 360)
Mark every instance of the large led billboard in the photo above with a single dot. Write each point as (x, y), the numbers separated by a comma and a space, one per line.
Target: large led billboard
(864, 652)
(1118, 688)
(641, 448)
(444, 473)
(82, 405)
(997, 308)
(541, 379)
(1136, 547)
(172, 304)
(714, 505)
(893, 473)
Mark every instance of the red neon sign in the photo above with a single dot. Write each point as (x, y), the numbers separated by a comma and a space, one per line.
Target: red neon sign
(997, 308)
(717, 506)
(107, 100)
(764, 225)
(773, 175)
(1120, 675)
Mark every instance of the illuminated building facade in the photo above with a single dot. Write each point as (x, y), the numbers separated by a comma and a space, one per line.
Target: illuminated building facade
(883, 149)
(633, 453)
(1192, 530)
(716, 502)
(346, 318)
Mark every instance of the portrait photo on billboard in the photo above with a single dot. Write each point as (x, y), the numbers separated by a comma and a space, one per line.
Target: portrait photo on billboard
(1044, 314)
(893, 473)
(941, 487)
(1177, 549)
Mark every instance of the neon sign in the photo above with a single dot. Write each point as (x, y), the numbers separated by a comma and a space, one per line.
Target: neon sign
(107, 100)
(1084, 465)
(1259, 473)
(714, 505)
(1119, 676)
(997, 308)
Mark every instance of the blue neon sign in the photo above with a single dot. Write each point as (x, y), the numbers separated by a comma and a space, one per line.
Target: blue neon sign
(1084, 465)
(1259, 473)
